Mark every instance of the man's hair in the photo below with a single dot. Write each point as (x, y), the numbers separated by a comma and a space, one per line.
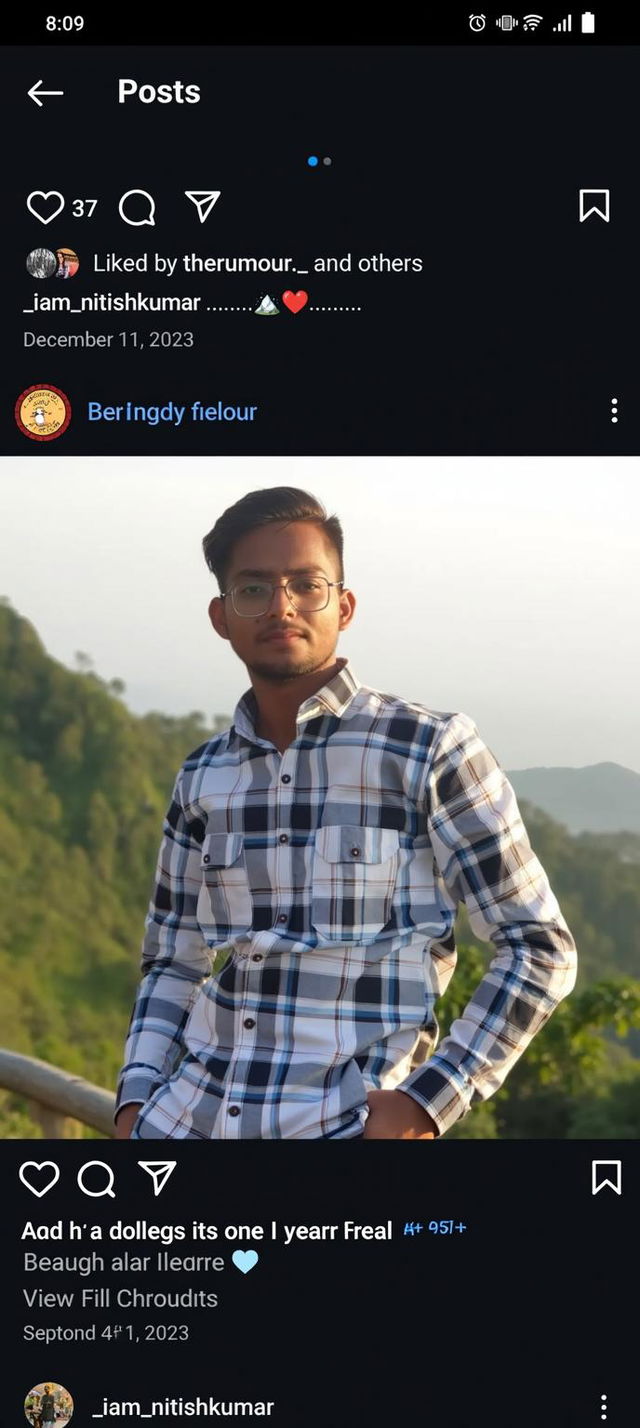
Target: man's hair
(274, 505)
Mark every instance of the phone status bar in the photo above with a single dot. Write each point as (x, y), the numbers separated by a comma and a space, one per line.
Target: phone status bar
(39, 26)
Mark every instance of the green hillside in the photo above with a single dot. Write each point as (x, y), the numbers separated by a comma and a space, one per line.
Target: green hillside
(83, 789)
(84, 784)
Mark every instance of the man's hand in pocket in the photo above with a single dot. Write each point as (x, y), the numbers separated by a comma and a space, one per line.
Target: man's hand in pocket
(395, 1116)
(125, 1121)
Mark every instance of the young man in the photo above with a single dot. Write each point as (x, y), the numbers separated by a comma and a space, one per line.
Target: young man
(325, 841)
(48, 1407)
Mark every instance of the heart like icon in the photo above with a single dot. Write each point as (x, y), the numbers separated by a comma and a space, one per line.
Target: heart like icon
(34, 207)
(295, 301)
(35, 1165)
(245, 1260)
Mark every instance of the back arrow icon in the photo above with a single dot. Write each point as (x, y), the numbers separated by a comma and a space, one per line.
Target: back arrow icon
(35, 92)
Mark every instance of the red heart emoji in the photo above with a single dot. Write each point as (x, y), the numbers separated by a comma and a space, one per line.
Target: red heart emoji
(295, 301)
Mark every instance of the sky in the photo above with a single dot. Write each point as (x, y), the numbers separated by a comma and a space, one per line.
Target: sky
(508, 588)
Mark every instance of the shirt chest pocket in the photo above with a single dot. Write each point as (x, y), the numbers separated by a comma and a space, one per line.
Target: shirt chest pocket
(224, 902)
(353, 881)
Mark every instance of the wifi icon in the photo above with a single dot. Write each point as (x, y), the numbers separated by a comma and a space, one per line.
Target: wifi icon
(531, 22)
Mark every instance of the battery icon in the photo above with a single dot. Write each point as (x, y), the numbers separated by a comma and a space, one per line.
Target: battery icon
(588, 22)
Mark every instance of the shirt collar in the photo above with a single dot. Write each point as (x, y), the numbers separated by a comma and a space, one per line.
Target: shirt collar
(334, 698)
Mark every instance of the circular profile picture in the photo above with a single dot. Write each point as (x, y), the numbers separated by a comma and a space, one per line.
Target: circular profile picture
(48, 1405)
(68, 263)
(43, 413)
(42, 263)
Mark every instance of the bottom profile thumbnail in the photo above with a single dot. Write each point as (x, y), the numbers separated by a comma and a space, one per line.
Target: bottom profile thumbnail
(48, 1405)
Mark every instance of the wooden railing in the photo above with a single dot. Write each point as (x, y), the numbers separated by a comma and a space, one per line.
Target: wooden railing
(60, 1102)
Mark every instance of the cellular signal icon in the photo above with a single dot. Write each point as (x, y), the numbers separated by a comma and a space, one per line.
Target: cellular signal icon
(531, 22)
(564, 26)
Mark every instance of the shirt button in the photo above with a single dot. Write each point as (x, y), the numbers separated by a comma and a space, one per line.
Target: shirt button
(286, 778)
(234, 1110)
(355, 852)
(206, 858)
(257, 957)
(249, 1023)
(284, 838)
(282, 917)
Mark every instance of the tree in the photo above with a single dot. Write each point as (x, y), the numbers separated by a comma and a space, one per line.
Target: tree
(564, 1064)
(613, 1113)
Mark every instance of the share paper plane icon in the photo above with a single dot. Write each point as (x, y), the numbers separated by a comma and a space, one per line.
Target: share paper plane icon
(159, 1170)
(204, 199)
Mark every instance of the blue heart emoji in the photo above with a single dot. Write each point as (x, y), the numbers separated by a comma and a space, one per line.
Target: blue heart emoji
(245, 1260)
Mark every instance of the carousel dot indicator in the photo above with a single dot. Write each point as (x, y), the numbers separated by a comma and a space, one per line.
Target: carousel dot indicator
(327, 162)
(313, 161)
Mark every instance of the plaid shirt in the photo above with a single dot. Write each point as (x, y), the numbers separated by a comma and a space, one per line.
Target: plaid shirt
(330, 874)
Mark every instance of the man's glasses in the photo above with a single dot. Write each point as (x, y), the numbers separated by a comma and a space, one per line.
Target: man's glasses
(304, 592)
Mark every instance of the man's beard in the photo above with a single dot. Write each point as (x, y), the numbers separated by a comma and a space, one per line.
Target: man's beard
(273, 675)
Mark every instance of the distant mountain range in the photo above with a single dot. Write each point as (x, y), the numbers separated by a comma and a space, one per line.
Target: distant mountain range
(602, 798)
